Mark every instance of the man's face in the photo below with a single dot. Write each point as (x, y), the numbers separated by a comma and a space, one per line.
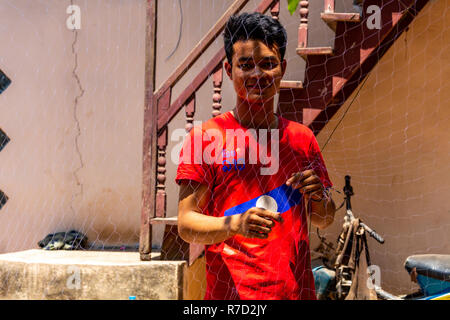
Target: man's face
(256, 70)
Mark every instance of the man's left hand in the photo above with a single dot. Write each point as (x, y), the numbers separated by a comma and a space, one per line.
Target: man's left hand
(308, 184)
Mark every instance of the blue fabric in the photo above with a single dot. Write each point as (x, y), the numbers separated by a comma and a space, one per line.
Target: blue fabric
(285, 197)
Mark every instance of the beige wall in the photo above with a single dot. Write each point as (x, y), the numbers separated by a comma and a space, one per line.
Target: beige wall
(37, 111)
(394, 143)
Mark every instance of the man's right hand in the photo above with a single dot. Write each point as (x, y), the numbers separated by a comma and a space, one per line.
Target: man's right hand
(195, 226)
(254, 223)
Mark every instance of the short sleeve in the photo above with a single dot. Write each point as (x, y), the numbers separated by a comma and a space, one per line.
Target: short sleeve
(191, 165)
(316, 162)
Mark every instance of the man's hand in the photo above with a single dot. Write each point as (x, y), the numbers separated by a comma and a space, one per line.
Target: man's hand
(322, 207)
(194, 226)
(254, 223)
(308, 184)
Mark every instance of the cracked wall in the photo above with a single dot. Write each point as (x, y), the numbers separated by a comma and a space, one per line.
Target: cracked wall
(74, 115)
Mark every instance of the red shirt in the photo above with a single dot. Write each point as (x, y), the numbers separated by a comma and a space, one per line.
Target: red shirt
(278, 267)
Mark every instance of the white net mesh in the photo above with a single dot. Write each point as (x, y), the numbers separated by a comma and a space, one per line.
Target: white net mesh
(73, 121)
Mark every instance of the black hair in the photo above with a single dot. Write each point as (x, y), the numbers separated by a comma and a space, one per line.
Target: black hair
(254, 26)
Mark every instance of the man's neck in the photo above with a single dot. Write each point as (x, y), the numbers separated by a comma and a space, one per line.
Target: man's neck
(264, 118)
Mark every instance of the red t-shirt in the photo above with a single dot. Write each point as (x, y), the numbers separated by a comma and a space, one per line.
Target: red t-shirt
(278, 267)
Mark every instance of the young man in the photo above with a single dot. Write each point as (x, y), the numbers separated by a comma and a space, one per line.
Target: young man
(254, 224)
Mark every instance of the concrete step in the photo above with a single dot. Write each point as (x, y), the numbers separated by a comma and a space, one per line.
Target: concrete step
(86, 275)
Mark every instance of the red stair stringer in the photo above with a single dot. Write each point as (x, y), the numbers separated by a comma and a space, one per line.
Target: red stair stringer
(330, 80)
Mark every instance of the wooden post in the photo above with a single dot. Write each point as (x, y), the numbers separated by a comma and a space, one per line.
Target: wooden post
(217, 96)
(163, 106)
(303, 28)
(161, 175)
(150, 133)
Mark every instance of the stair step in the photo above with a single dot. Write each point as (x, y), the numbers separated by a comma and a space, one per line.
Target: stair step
(170, 221)
(305, 52)
(288, 84)
(332, 18)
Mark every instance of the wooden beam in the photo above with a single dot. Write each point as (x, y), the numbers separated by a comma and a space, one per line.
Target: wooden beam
(164, 118)
(201, 46)
(150, 136)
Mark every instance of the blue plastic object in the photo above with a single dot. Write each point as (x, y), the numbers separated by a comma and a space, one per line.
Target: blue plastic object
(431, 286)
(323, 279)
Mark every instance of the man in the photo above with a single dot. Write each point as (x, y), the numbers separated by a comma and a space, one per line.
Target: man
(254, 225)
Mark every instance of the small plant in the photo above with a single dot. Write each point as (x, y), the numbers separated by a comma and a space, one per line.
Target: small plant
(292, 5)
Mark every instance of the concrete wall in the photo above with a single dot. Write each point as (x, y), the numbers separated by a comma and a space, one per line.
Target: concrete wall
(72, 165)
(394, 143)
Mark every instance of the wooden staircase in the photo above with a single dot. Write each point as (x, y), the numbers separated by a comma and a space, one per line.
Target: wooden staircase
(332, 74)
